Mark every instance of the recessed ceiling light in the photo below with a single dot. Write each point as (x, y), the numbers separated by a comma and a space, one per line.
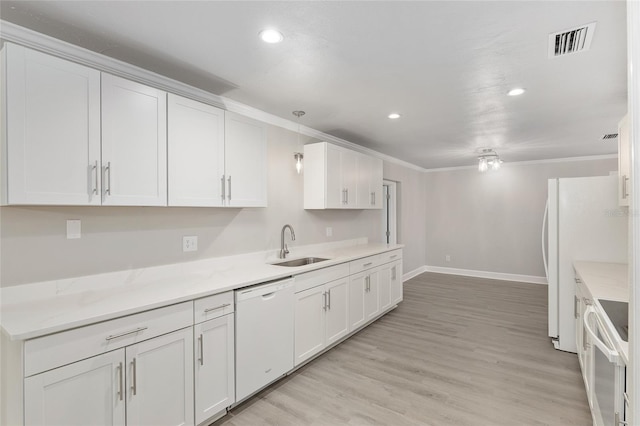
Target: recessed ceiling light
(516, 92)
(271, 36)
(393, 115)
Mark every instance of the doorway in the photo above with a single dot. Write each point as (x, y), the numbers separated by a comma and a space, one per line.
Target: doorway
(389, 218)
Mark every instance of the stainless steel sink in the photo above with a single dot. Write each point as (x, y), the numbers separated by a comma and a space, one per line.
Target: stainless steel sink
(300, 262)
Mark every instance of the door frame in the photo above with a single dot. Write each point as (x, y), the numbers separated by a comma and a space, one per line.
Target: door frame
(389, 212)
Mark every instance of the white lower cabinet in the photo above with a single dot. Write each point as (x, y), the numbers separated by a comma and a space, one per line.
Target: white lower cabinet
(152, 379)
(88, 392)
(321, 315)
(159, 380)
(214, 367)
(364, 302)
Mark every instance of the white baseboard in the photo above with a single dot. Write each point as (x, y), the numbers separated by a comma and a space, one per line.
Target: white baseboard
(414, 273)
(483, 274)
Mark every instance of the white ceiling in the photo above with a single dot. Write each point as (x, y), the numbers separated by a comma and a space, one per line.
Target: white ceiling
(446, 66)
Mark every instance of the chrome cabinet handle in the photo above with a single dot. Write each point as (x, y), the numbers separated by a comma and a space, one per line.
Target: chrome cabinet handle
(120, 380)
(575, 306)
(578, 280)
(346, 191)
(393, 257)
(329, 299)
(126, 333)
(344, 196)
(224, 305)
(222, 188)
(324, 300)
(106, 175)
(617, 421)
(367, 264)
(229, 180)
(94, 169)
(201, 342)
(393, 273)
(134, 383)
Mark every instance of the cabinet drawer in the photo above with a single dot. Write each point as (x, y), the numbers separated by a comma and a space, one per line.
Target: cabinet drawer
(321, 276)
(363, 264)
(390, 256)
(54, 350)
(212, 306)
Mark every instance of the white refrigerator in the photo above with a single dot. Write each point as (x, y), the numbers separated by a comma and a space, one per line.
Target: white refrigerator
(584, 222)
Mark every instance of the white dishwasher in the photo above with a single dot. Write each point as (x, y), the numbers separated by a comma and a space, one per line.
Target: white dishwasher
(264, 335)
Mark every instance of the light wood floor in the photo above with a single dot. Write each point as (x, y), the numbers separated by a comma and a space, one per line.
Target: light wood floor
(457, 351)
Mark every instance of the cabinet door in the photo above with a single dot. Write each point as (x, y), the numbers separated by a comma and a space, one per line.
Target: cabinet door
(384, 285)
(337, 312)
(195, 153)
(349, 177)
(357, 285)
(310, 307)
(88, 392)
(52, 129)
(245, 161)
(335, 195)
(214, 366)
(372, 296)
(134, 143)
(624, 162)
(396, 283)
(160, 380)
(364, 198)
(375, 182)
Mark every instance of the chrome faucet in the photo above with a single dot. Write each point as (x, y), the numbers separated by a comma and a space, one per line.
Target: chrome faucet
(284, 251)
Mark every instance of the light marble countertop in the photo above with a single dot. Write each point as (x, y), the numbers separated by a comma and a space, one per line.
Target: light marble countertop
(609, 281)
(34, 310)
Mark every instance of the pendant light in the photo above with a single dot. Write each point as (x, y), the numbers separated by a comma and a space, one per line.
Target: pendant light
(298, 155)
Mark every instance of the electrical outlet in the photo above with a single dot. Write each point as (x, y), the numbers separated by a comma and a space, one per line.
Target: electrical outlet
(329, 231)
(190, 243)
(73, 229)
(447, 258)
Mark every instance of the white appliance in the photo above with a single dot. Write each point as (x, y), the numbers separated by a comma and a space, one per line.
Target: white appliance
(584, 223)
(264, 335)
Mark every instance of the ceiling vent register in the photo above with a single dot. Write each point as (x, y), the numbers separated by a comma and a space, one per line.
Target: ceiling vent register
(609, 136)
(571, 41)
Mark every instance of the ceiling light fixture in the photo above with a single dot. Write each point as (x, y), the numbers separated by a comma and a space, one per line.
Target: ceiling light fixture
(271, 36)
(298, 156)
(516, 91)
(488, 158)
(393, 115)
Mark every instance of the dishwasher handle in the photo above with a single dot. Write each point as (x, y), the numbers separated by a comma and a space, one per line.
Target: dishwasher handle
(266, 291)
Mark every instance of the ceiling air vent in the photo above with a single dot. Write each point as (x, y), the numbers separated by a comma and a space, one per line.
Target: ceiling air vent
(609, 136)
(571, 41)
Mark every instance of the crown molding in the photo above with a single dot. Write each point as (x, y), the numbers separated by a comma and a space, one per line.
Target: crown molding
(16, 34)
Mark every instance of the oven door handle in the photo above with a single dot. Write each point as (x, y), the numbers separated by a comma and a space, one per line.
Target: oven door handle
(612, 355)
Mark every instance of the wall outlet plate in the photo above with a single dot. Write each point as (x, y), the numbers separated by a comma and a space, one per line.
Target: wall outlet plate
(74, 229)
(190, 243)
(329, 231)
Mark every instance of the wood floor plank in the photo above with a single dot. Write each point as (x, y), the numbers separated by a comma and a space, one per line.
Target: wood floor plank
(457, 351)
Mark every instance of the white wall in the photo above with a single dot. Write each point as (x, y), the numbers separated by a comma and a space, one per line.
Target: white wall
(34, 246)
(492, 221)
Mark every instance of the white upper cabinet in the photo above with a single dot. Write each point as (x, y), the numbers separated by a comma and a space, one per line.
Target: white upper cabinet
(338, 178)
(134, 143)
(195, 153)
(245, 162)
(624, 162)
(51, 137)
(369, 185)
